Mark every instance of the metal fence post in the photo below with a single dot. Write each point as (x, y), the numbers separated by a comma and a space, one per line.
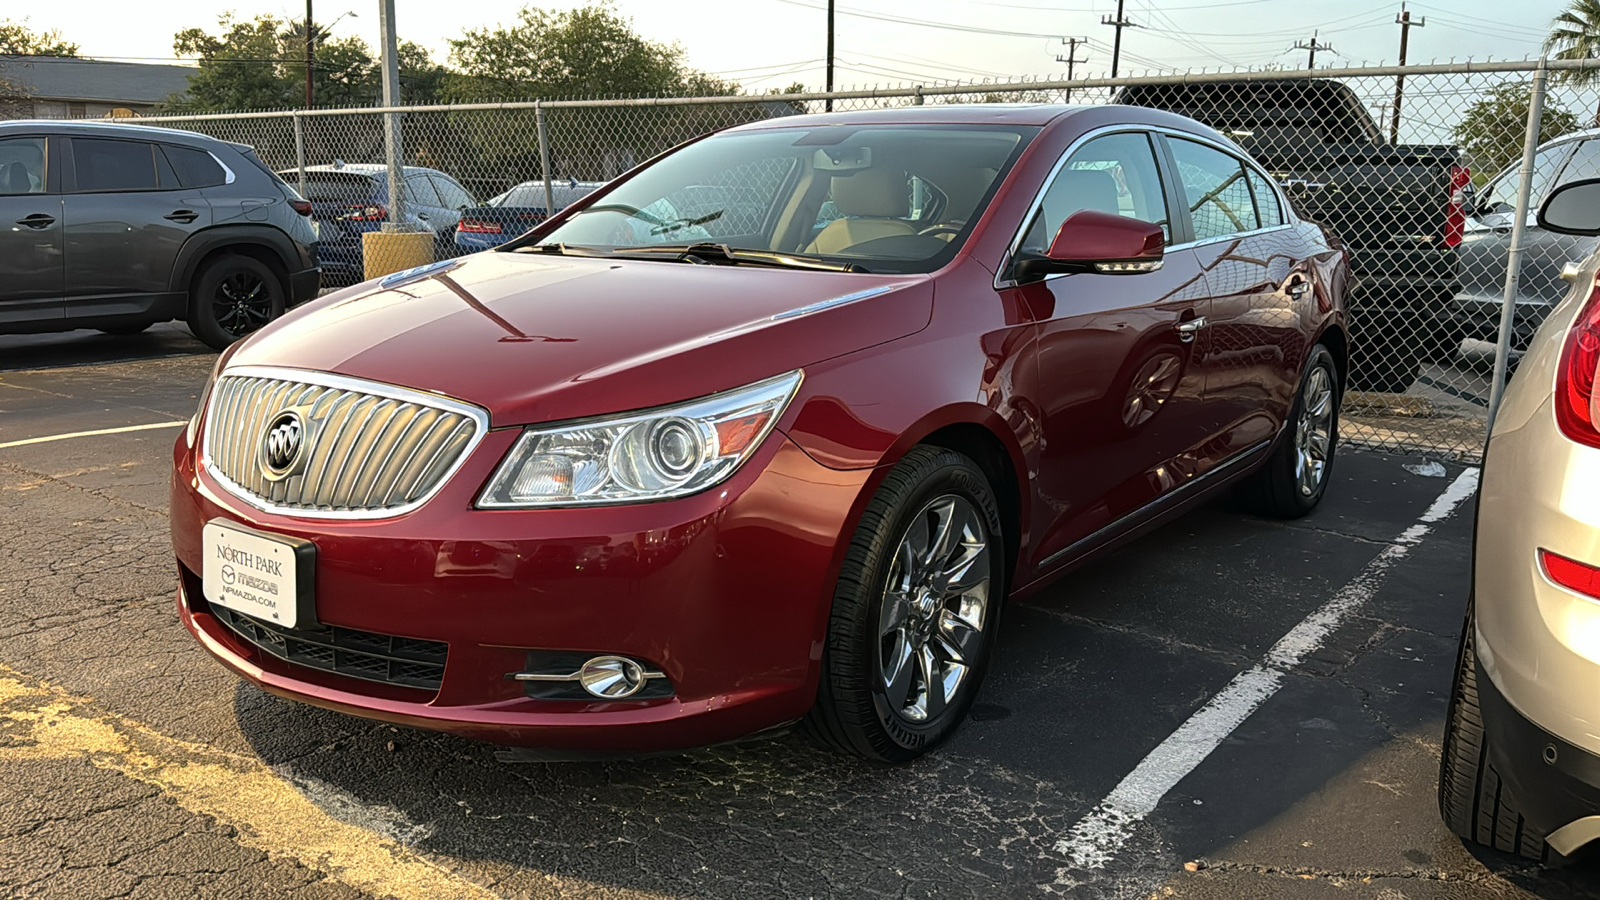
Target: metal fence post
(1519, 229)
(916, 99)
(544, 159)
(393, 148)
(300, 151)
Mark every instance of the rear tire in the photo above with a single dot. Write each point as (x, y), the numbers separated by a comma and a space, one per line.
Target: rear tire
(919, 592)
(1385, 352)
(233, 296)
(1472, 798)
(1296, 475)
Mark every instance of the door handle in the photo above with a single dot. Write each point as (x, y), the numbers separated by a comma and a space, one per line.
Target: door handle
(1187, 330)
(1502, 229)
(37, 220)
(1299, 287)
(182, 215)
(422, 216)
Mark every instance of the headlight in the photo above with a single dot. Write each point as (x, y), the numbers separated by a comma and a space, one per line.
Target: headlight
(653, 455)
(205, 397)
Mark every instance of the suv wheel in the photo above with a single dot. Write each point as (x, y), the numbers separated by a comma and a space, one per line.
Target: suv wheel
(234, 295)
(915, 611)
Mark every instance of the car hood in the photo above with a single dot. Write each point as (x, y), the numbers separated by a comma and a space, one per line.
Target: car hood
(541, 338)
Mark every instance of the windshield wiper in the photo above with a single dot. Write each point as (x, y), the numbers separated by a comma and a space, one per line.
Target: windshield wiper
(561, 249)
(722, 253)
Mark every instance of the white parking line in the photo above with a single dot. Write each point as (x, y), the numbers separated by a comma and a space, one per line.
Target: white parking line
(77, 434)
(1097, 838)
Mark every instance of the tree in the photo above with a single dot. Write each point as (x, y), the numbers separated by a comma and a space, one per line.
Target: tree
(1494, 128)
(588, 52)
(260, 64)
(1575, 34)
(17, 39)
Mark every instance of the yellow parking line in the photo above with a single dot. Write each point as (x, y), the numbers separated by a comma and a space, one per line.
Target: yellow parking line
(78, 434)
(40, 721)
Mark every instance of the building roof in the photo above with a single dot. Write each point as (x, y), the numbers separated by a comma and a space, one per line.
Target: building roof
(95, 80)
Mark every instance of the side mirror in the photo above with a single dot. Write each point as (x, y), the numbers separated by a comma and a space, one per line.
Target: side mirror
(1573, 208)
(1094, 241)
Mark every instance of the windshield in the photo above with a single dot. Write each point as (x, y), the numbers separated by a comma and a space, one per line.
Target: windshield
(883, 198)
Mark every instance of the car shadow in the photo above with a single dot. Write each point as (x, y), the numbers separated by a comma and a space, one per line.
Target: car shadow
(88, 347)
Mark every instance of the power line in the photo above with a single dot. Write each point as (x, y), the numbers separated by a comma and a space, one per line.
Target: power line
(945, 26)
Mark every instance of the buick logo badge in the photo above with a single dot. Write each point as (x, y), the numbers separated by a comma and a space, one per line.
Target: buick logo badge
(283, 445)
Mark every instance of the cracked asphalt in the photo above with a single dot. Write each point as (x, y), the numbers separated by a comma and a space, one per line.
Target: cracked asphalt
(131, 765)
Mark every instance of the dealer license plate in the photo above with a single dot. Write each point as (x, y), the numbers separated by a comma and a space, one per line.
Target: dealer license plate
(252, 574)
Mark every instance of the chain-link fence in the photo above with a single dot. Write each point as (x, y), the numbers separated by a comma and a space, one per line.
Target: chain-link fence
(1415, 171)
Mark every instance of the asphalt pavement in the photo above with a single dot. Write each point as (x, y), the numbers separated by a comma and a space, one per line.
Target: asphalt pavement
(1161, 723)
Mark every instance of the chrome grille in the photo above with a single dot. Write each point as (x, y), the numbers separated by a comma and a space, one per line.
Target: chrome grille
(371, 450)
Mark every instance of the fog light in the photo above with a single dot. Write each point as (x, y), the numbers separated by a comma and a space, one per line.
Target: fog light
(611, 677)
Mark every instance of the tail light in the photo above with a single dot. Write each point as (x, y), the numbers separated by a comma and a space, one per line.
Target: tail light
(478, 226)
(1576, 410)
(366, 212)
(1455, 211)
(303, 207)
(1571, 574)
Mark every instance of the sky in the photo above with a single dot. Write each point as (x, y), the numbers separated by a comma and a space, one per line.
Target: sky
(766, 43)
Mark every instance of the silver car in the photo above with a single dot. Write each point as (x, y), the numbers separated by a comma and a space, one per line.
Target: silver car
(1486, 242)
(1521, 763)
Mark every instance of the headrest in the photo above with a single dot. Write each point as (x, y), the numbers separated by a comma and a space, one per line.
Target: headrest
(878, 193)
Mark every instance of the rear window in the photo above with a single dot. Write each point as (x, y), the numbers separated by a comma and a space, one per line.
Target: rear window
(328, 188)
(195, 168)
(114, 165)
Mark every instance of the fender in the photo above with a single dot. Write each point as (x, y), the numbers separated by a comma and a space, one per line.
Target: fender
(206, 240)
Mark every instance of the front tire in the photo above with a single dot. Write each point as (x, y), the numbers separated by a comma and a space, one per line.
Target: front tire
(1296, 475)
(233, 296)
(915, 611)
(1472, 799)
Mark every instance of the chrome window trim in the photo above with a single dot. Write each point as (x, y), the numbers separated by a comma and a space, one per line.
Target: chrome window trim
(477, 414)
(1001, 282)
(227, 173)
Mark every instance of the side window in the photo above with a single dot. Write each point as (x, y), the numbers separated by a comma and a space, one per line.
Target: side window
(1268, 207)
(453, 195)
(114, 165)
(195, 168)
(1114, 174)
(1218, 194)
(1585, 163)
(421, 190)
(1501, 197)
(22, 166)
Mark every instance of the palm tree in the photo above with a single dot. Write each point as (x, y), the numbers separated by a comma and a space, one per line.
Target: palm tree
(1575, 34)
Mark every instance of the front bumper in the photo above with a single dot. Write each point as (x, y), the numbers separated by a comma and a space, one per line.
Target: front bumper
(726, 593)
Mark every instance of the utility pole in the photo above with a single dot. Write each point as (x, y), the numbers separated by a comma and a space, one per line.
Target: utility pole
(1405, 23)
(1118, 23)
(1311, 61)
(394, 150)
(1071, 59)
(829, 101)
(309, 54)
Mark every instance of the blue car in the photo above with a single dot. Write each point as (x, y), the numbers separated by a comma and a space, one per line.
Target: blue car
(515, 212)
(349, 199)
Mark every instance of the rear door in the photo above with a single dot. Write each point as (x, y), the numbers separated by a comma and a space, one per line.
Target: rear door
(1120, 395)
(453, 198)
(425, 205)
(31, 269)
(1255, 272)
(126, 216)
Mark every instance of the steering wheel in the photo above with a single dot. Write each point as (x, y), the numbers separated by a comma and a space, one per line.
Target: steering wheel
(941, 228)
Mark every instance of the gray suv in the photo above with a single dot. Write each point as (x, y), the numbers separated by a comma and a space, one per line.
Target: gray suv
(117, 227)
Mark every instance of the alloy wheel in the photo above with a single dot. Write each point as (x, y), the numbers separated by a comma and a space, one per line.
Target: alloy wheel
(1314, 432)
(242, 303)
(934, 610)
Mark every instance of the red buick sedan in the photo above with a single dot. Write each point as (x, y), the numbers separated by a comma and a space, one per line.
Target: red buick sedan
(766, 431)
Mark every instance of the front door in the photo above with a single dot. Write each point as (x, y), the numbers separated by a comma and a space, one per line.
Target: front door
(31, 268)
(1119, 396)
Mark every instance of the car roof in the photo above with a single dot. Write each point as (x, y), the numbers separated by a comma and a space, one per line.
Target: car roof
(371, 169)
(115, 129)
(929, 114)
